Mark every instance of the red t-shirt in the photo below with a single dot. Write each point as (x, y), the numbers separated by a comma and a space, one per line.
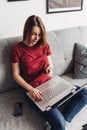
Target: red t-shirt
(32, 61)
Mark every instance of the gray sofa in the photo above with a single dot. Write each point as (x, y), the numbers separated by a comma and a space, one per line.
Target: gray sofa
(62, 44)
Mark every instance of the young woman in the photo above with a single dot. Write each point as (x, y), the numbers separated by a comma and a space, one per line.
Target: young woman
(32, 66)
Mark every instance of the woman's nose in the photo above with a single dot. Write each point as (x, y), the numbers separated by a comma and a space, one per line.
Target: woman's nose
(36, 37)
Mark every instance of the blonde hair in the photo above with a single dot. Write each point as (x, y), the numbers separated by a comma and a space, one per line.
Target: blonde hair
(30, 23)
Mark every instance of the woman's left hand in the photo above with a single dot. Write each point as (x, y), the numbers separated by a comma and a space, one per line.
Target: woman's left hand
(48, 70)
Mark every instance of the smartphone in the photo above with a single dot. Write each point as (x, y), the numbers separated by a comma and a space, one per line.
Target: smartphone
(18, 109)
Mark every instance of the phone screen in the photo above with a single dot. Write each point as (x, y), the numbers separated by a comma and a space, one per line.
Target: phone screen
(18, 109)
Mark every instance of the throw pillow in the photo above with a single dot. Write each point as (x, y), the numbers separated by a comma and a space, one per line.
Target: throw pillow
(80, 60)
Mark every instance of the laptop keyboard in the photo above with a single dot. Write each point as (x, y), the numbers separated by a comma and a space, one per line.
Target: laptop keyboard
(48, 94)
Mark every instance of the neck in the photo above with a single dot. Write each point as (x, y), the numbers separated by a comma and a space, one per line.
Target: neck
(28, 44)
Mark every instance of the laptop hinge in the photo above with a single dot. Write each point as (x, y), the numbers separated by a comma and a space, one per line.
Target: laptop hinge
(73, 90)
(48, 108)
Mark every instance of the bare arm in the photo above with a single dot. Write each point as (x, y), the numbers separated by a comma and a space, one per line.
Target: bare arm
(50, 66)
(34, 93)
(50, 61)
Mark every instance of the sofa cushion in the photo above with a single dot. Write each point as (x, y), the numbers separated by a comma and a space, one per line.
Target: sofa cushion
(78, 82)
(80, 60)
(30, 120)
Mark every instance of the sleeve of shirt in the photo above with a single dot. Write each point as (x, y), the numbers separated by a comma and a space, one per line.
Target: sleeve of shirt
(15, 54)
(48, 50)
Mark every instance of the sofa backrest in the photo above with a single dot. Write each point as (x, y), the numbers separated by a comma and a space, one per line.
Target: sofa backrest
(62, 46)
(6, 80)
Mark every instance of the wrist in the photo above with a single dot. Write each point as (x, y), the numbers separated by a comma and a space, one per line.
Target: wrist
(29, 88)
(50, 66)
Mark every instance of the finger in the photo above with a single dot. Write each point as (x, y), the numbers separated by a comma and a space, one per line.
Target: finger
(39, 96)
(40, 93)
(33, 99)
(48, 70)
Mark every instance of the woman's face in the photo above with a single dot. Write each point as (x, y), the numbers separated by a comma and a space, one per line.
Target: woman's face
(35, 36)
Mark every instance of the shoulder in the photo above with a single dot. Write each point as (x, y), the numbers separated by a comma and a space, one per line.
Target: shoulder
(47, 49)
(15, 52)
(47, 46)
(17, 46)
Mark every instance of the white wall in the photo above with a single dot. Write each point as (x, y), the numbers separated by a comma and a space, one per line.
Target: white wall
(14, 14)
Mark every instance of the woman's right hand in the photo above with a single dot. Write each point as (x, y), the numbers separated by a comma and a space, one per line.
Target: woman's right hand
(35, 94)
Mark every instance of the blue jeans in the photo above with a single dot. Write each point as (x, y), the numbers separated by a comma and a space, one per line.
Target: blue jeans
(57, 119)
(75, 105)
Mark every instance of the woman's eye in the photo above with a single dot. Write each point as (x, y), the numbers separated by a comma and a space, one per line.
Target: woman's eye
(33, 33)
(36, 34)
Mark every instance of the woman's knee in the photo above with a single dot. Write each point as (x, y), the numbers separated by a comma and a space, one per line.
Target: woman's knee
(60, 125)
(83, 92)
(56, 119)
(84, 95)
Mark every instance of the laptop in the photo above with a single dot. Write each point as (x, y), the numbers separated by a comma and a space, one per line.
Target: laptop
(53, 91)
